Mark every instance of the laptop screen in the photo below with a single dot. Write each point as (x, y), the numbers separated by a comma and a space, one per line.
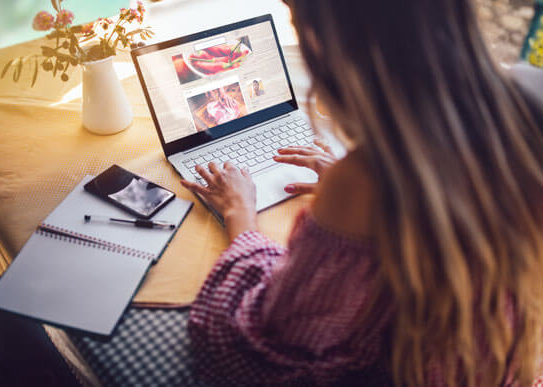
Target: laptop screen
(207, 82)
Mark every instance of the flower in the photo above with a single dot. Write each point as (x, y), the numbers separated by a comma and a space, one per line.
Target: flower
(65, 17)
(43, 21)
(134, 15)
(141, 8)
(66, 51)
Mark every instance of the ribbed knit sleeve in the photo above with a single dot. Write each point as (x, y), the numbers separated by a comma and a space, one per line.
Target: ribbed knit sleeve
(268, 315)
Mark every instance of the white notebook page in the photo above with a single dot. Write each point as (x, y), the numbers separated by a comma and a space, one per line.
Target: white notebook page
(69, 215)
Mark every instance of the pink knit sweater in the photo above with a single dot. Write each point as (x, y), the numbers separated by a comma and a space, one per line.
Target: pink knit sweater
(268, 315)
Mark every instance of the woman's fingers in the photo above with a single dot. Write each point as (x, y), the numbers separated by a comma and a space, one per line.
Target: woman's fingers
(301, 161)
(195, 187)
(298, 150)
(204, 173)
(229, 166)
(324, 146)
(300, 188)
(213, 168)
(245, 172)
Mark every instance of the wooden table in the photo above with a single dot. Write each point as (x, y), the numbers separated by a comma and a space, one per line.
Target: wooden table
(45, 152)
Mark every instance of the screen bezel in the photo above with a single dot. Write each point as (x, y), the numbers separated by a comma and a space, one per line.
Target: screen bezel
(228, 128)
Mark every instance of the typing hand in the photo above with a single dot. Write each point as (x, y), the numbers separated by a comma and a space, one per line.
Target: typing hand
(318, 160)
(230, 191)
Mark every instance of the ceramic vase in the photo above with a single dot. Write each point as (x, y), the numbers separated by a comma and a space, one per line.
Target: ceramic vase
(105, 107)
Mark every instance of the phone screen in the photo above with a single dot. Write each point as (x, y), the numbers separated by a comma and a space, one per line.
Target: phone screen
(129, 191)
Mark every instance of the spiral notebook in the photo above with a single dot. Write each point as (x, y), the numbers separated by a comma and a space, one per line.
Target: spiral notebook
(83, 276)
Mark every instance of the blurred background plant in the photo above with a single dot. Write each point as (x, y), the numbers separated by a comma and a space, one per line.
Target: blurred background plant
(78, 44)
(17, 16)
(534, 49)
(535, 55)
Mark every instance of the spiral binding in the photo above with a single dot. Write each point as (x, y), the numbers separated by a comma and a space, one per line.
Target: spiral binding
(84, 240)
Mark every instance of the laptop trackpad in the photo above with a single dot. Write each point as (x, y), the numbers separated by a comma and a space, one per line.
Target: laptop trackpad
(270, 184)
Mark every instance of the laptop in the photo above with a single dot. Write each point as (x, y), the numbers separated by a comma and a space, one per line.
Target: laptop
(225, 95)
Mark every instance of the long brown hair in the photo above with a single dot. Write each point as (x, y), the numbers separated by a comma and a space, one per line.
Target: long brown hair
(457, 159)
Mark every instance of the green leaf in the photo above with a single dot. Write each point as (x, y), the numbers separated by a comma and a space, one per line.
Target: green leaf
(86, 39)
(48, 51)
(134, 32)
(18, 70)
(35, 76)
(6, 68)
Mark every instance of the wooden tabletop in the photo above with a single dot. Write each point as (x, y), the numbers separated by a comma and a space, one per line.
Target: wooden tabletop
(45, 152)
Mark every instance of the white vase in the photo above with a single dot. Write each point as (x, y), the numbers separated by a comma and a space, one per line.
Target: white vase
(105, 107)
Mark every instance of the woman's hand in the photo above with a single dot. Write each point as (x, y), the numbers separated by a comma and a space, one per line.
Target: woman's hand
(309, 157)
(231, 192)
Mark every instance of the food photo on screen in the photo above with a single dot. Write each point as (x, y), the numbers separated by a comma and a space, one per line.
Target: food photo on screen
(212, 60)
(184, 73)
(217, 106)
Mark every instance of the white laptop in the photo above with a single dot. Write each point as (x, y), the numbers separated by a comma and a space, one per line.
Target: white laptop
(225, 95)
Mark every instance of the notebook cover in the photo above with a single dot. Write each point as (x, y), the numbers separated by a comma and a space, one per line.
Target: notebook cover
(71, 283)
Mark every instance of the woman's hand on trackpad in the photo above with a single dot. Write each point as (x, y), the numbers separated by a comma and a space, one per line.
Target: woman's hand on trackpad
(319, 160)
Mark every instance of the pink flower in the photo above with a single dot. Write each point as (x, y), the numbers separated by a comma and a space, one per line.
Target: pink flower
(133, 14)
(43, 21)
(141, 11)
(65, 17)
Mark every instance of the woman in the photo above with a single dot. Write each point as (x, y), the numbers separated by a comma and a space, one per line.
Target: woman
(420, 260)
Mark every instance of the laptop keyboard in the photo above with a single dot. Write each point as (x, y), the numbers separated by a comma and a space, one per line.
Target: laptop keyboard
(254, 151)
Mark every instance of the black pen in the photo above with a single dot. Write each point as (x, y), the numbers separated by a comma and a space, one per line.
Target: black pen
(143, 223)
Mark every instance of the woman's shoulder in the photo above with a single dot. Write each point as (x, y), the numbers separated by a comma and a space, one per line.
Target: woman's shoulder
(345, 197)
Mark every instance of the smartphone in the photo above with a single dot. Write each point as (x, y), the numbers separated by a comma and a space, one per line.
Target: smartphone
(128, 191)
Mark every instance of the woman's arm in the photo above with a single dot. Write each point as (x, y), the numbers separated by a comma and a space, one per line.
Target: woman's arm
(220, 314)
(270, 315)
